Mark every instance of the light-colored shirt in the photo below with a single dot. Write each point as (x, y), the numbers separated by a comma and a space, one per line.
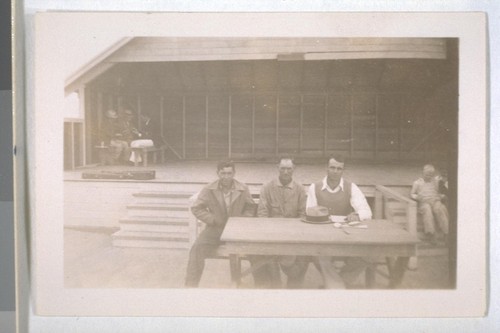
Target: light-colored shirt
(358, 200)
(423, 191)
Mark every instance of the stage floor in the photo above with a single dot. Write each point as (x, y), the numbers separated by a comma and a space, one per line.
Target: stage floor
(204, 171)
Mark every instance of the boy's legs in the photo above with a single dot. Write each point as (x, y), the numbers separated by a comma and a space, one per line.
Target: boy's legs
(425, 209)
(441, 213)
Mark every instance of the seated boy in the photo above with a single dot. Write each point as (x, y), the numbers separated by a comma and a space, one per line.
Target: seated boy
(425, 190)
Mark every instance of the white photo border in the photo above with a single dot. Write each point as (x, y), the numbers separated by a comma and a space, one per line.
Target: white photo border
(59, 35)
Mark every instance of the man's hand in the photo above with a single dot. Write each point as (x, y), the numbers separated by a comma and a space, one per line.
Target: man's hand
(353, 217)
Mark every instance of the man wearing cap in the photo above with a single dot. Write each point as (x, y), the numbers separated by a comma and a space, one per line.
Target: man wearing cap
(112, 136)
(281, 197)
(215, 203)
(341, 197)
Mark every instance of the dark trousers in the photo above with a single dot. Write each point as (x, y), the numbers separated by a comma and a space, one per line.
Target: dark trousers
(204, 247)
(268, 275)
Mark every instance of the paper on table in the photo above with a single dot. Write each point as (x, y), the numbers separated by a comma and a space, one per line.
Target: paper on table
(338, 218)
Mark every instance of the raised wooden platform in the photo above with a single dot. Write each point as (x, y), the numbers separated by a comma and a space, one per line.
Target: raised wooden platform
(102, 203)
(204, 171)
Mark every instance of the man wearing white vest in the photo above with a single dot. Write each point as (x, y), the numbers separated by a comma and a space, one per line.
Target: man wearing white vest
(341, 197)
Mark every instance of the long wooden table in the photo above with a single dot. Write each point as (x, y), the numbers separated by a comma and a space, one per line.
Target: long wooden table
(287, 236)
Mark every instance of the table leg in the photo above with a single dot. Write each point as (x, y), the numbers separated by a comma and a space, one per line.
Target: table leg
(235, 266)
(136, 158)
(397, 272)
(102, 157)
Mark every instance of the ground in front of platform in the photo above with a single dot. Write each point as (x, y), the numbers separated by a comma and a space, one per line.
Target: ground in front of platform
(91, 261)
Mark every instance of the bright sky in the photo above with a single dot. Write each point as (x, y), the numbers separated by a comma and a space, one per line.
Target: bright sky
(81, 51)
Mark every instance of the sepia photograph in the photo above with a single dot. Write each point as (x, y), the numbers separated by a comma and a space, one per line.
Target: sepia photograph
(253, 165)
(161, 119)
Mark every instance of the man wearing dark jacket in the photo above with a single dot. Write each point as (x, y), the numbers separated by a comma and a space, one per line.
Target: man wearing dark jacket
(215, 203)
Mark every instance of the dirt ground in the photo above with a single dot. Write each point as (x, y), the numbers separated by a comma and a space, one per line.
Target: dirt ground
(91, 261)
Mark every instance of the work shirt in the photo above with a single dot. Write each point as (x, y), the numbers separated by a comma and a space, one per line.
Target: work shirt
(426, 191)
(227, 196)
(278, 200)
(357, 200)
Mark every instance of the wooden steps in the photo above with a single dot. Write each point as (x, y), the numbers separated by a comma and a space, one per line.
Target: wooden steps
(154, 223)
(158, 209)
(155, 219)
(169, 240)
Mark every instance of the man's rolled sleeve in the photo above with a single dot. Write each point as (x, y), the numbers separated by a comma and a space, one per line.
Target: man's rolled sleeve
(359, 203)
(311, 196)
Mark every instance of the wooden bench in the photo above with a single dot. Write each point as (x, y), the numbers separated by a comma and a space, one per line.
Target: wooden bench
(221, 253)
(145, 151)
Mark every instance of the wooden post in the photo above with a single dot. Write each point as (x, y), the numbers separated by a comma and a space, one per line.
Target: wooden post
(253, 125)
(235, 269)
(139, 111)
(379, 205)
(402, 106)
(100, 109)
(376, 124)
(301, 122)
(277, 141)
(230, 126)
(351, 141)
(411, 213)
(325, 127)
(72, 144)
(206, 126)
(162, 110)
(183, 126)
(82, 102)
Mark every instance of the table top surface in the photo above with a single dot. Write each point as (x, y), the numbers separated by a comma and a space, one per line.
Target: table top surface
(293, 230)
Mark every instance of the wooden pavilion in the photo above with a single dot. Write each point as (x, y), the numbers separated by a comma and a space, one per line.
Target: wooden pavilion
(375, 99)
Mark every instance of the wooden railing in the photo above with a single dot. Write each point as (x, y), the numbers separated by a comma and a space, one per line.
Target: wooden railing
(392, 205)
(400, 209)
